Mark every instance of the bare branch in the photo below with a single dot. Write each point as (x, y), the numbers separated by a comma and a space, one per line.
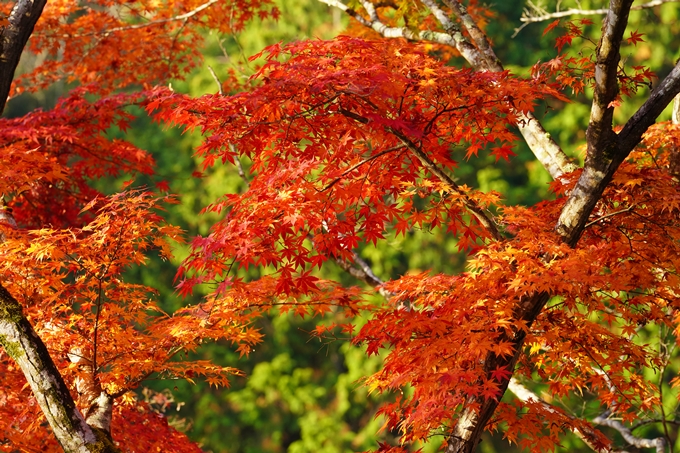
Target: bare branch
(544, 148)
(467, 50)
(239, 165)
(535, 13)
(25, 347)
(659, 443)
(23, 344)
(478, 36)
(386, 31)
(217, 80)
(364, 273)
(611, 214)
(589, 437)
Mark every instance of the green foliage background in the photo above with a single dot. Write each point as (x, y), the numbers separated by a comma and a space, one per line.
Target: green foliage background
(302, 395)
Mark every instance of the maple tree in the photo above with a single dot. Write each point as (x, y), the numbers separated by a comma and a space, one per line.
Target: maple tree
(344, 144)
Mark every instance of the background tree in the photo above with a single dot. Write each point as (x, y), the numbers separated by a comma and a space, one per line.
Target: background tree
(62, 279)
(347, 155)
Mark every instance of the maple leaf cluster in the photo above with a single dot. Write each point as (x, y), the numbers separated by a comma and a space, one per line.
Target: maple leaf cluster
(336, 133)
(70, 283)
(111, 45)
(346, 142)
(51, 157)
(336, 147)
(331, 141)
(604, 292)
(574, 66)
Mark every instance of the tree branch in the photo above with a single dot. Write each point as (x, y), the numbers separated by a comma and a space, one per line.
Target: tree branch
(17, 335)
(477, 411)
(23, 344)
(546, 150)
(601, 164)
(600, 134)
(484, 220)
(13, 38)
(611, 214)
(363, 273)
(589, 437)
(647, 114)
(478, 36)
(659, 443)
(217, 80)
(534, 13)
(386, 31)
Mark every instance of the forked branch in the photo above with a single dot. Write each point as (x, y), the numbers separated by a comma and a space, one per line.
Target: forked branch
(601, 165)
(482, 57)
(600, 133)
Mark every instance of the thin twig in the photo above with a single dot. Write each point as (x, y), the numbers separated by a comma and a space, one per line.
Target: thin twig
(611, 214)
(239, 166)
(484, 220)
(181, 17)
(541, 15)
(217, 80)
(528, 18)
(355, 166)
